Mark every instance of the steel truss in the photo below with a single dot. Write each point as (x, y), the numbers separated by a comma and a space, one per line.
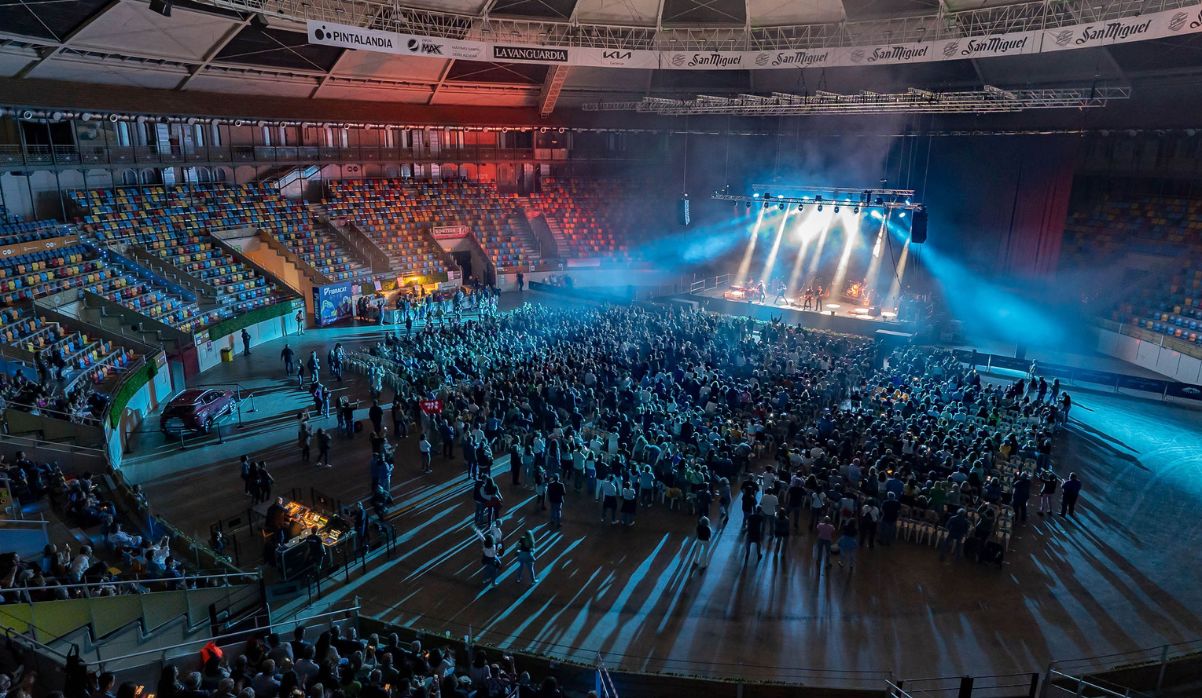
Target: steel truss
(943, 24)
(887, 199)
(914, 101)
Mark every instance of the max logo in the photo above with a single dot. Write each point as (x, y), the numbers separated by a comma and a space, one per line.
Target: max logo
(617, 55)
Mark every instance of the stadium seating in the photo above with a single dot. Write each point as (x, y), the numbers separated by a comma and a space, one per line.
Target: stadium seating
(391, 213)
(1167, 231)
(174, 224)
(576, 212)
(16, 231)
(27, 330)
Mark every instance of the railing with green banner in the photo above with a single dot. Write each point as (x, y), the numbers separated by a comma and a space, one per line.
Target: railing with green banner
(254, 317)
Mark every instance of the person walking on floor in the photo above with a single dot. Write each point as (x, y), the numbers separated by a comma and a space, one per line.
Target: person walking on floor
(754, 527)
(630, 504)
(1070, 490)
(304, 435)
(526, 557)
(555, 495)
(323, 448)
(491, 558)
(957, 530)
(300, 321)
(400, 425)
(704, 535)
(313, 366)
(609, 498)
(423, 449)
(1047, 490)
(780, 538)
(826, 537)
(1020, 494)
(265, 481)
(847, 548)
(288, 356)
(245, 342)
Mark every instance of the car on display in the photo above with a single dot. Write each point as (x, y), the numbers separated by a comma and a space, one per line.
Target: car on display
(197, 410)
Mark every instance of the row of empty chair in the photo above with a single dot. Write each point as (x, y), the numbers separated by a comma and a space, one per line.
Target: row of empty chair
(1166, 231)
(174, 223)
(58, 346)
(576, 213)
(15, 231)
(391, 213)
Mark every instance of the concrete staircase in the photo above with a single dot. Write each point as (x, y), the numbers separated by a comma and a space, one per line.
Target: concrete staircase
(520, 227)
(270, 254)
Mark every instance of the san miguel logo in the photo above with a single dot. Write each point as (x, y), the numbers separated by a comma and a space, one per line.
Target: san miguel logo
(1114, 31)
(1064, 38)
(995, 45)
(1177, 21)
(857, 55)
(351, 38)
(714, 60)
(951, 48)
(802, 58)
(523, 53)
(679, 59)
(897, 53)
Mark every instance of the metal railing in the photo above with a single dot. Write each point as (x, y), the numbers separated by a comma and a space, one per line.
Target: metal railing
(1136, 673)
(352, 612)
(1164, 340)
(991, 686)
(187, 581)
(119, 156)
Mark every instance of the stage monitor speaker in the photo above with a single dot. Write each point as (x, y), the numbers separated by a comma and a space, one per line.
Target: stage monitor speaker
(162, 7)
(918, 227)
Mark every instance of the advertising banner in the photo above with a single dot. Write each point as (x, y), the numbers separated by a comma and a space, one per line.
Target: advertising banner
(431, 406)
(332, 303)
(449, 232)
(1157, 25)
(24, 248)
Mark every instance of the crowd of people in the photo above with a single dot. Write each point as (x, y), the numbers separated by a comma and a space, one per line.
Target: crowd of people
(339, 664)
(628, 408)
(112, 561)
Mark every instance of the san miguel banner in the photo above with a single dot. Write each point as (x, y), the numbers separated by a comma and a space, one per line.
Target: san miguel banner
(1157, 25)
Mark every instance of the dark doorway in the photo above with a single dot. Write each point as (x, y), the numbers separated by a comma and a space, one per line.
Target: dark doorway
(464, 260)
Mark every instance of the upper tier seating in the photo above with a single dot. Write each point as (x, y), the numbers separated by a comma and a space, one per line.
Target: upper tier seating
(16, 231)
(390, 212)
(577, 212)
(263, 206)
(71, 353)
(1165, 230)
(173, 223)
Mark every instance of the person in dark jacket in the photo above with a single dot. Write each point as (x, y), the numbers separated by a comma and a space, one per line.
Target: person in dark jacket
(376, 415)
(755, 533)
(1070, 490)
(1020, 495)
(957, 529)
(704, 535)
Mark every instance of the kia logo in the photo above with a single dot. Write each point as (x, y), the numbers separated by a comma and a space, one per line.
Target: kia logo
(617, 55)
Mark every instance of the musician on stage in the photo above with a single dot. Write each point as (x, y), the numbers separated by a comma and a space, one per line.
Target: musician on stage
(761, 296)
(818, 297)
(781, 290)
(807, 301)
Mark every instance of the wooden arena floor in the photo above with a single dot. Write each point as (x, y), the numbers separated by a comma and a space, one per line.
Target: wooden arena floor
(1123, 575)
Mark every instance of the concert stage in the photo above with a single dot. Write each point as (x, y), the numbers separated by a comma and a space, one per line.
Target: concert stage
(837, 317)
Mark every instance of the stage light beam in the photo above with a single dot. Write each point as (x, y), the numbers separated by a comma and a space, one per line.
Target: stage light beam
(745, 265)
(771, 261)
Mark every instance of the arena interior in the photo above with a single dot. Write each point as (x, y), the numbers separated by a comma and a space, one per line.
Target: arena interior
(565, 348)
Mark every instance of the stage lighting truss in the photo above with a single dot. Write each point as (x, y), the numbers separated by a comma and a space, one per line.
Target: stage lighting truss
(989, 99)
(850, 197)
